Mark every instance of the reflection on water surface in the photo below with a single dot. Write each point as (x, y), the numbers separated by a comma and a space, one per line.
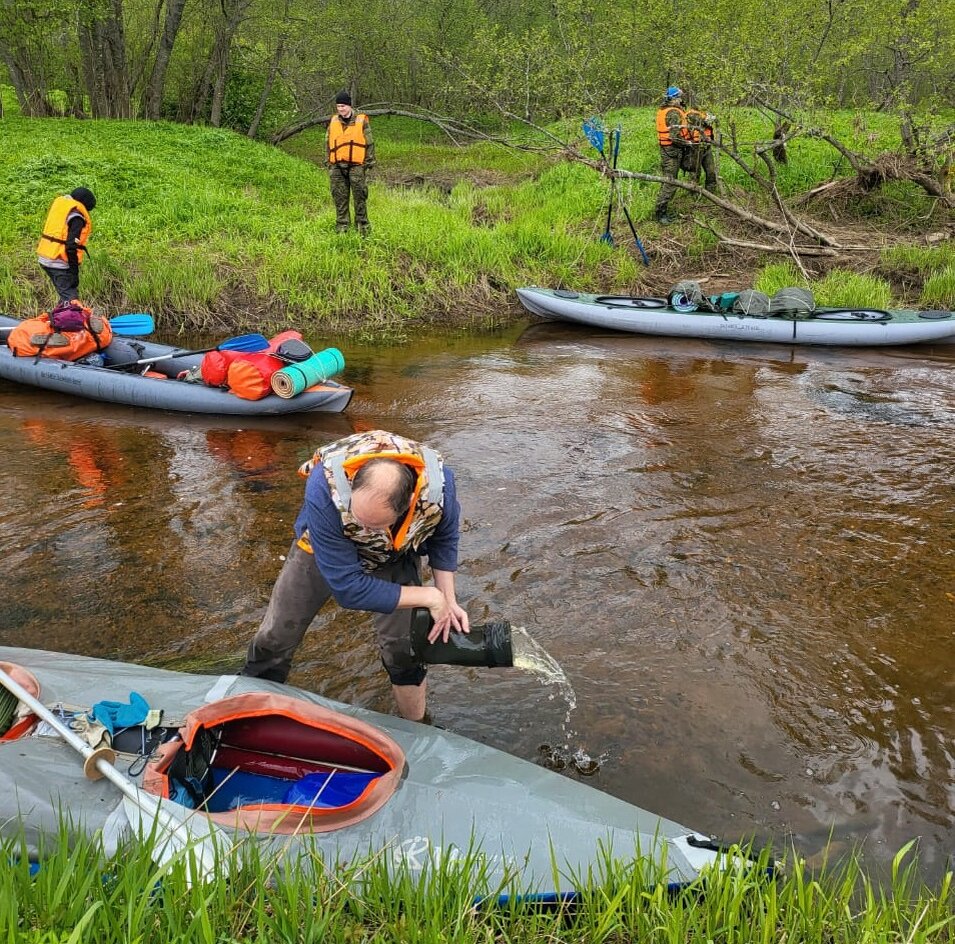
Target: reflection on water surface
(741, 556)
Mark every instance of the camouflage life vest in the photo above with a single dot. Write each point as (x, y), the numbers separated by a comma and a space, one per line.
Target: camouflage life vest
(342, 459)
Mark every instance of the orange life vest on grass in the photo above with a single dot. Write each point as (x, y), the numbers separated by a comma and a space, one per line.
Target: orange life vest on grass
(346, 142)
(52, 244)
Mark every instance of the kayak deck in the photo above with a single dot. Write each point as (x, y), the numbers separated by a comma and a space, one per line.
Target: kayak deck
(862, 327)
(166, 393)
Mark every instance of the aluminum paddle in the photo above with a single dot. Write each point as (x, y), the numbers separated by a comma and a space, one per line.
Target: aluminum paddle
(174, 831)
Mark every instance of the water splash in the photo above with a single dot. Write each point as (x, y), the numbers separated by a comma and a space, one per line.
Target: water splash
(531, 657)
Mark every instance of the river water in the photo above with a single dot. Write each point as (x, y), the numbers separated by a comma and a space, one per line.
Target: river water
(741, 556)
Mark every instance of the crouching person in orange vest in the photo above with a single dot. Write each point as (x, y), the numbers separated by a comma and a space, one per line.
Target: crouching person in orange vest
(62, 247)
(375, 504)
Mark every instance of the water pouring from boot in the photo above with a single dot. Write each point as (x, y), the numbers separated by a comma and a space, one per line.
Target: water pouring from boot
(499, 645)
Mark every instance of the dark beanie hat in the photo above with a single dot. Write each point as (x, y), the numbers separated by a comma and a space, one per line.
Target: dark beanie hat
(343, 98)
(85, 197)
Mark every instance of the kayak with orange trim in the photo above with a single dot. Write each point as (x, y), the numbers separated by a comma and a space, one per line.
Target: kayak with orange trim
(315, 781)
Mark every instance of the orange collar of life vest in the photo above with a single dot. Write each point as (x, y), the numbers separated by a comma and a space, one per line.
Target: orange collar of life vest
(352, 465)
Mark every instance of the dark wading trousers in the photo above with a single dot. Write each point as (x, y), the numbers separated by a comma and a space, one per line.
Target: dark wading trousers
(65, 281)
(349, 180)
(692, 160)
(301, 591)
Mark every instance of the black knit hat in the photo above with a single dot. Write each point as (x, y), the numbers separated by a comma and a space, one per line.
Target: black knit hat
(343, 98)
(85, 196)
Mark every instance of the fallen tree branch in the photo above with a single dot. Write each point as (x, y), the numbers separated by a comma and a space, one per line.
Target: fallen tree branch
(453, 128)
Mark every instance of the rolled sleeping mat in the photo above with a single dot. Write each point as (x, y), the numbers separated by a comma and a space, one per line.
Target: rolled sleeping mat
(294, 379)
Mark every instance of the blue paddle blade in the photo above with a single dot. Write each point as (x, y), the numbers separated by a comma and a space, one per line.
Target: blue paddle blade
(594, 134)
(249, 343)
(132, 325)
(607, 238)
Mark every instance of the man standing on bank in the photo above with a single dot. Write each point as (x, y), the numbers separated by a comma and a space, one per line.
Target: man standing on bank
(375, 504)
(685, 138)
(350, 153)
(62, 246)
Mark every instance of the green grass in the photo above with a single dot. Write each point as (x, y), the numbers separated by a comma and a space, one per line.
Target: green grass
(843, 289)
(79, 894)
(921, 259)
(210, 231)
(939, 289)
(771, 278)
(839, 289)
(207, 229)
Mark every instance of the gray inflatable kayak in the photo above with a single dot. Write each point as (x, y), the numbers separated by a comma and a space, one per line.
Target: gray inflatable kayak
(131, 389)
(414, 793)
(836, 326)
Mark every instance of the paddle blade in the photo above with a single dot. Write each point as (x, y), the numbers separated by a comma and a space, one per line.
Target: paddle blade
(175, 833)
(249, 343)
(132, 325)
(607, 238)
(594, 134)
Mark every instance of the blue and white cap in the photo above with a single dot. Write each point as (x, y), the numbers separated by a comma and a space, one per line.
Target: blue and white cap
(674, 91)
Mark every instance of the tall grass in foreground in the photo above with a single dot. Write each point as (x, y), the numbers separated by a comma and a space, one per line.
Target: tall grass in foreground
(81, 895)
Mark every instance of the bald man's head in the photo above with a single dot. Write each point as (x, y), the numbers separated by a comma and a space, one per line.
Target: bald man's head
(381, 493)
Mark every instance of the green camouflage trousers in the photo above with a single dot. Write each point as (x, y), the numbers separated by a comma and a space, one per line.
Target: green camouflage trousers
(689, 160)
(349, 180)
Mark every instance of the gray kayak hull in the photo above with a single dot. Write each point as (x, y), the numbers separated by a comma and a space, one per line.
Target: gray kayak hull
(457, 794)
(830, 326)
(116, 386)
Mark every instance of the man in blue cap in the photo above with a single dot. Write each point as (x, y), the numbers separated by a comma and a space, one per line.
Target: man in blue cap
(684, 136)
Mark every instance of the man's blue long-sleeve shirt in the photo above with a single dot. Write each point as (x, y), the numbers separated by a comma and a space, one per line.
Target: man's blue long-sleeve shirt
(337, 557)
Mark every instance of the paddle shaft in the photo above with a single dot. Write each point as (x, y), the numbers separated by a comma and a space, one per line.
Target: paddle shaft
(636, 238)
(246, 343)
(129, 789)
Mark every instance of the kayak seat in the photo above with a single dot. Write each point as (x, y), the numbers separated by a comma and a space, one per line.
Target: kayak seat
(332, 788)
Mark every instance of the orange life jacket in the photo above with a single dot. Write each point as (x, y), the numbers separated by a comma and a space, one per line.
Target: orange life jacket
(52, 244)
(346, 143)
(80, 343)
(341, 460)
(698, 128)
(664, 130)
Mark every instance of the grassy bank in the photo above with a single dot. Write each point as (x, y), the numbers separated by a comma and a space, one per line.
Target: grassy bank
(79, 895)
(210, 231)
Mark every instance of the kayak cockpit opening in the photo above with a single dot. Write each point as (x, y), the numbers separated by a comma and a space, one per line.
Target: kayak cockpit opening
(274, 764)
